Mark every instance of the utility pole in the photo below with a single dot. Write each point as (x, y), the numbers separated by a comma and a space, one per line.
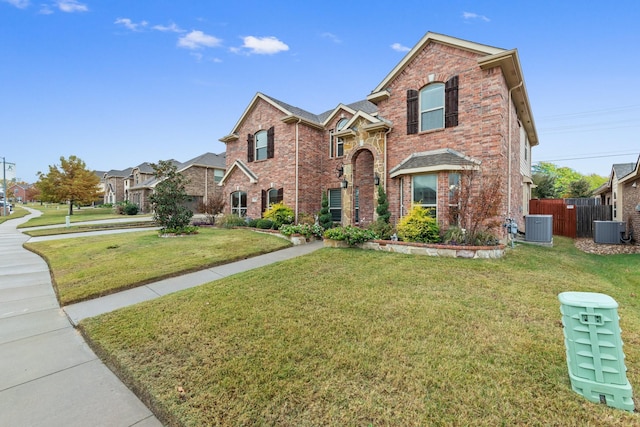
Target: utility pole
(4, 188)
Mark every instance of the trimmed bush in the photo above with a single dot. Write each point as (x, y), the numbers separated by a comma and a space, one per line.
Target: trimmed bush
(351, 235)
(419, 226)
(264, 224)
(232, 220)
(324, 219)
(280, 214)
(307, 230)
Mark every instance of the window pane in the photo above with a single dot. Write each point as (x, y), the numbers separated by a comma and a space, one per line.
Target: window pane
(261, 145)
(454, 186)
(335, 204)
(425, 189)
(272, 197)
(341, 124)
(432, 96)
(432, 120)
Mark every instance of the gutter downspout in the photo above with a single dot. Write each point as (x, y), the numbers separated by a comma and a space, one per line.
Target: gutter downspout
(297, 170)
(509, 151)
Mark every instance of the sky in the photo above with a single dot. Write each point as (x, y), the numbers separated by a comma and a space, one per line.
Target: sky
(120, 82)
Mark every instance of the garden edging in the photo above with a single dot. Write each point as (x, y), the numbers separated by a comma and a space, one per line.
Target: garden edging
(450, 251)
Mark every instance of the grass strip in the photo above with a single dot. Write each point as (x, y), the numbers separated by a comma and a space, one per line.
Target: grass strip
(86, 228)
(89, 267)
(352, 337)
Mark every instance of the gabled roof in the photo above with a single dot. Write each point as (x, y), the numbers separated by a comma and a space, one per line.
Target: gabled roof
(620, 170)
(208, 160)
(144, 168)
(118, 173)
(292, 114)
(435, 160)
(238, 164)
(490, 57)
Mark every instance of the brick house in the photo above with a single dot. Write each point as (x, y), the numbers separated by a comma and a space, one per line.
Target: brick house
(18, 192)
(114, 185)
(450, 105)
(204, 172)
(622, 193)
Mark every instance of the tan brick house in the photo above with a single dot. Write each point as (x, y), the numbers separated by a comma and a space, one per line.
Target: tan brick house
(204, 172)
(448, 106)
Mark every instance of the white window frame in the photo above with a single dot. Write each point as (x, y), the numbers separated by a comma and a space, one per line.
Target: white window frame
(431, 94)
(236, 203)
(261, 145)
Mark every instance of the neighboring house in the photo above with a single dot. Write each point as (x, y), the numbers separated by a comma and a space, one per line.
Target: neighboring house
(18, 192)
(204, 172)
(114, 185)
(622, 193)
(448, 106)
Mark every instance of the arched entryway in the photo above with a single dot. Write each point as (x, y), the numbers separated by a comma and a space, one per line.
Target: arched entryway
(364, 188)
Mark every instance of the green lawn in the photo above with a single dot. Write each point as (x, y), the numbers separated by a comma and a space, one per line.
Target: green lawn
(348, 337)
(18, 212)
(86, 228)
(56, 214)
(88, 267)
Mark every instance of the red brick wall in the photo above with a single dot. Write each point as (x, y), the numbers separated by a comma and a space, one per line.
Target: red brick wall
(482, 121)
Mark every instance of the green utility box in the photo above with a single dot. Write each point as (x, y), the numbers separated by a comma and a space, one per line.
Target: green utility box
(594, 348)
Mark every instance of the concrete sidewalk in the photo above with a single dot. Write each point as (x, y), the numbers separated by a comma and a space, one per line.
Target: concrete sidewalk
(49, 376)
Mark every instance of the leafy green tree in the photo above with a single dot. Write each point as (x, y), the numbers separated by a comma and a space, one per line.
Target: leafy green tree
(562, 178)
(69, 182)
(169, 198)
(324, 219)
(545, 186)
(383, 206)
(580, 188)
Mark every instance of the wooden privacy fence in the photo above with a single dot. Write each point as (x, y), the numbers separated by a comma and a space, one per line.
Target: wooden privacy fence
(571, 217)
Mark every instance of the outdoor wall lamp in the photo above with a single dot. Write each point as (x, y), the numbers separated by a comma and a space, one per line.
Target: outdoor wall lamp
(376, 180)
(344, 183)
(339, 170)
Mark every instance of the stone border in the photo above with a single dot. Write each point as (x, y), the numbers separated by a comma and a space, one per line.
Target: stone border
(450, 251)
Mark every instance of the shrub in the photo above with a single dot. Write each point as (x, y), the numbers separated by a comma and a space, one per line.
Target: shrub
(212, 207)
(264, 224)
(351, 235)
(189, 229)
(307, 230)
(131, 209)
(419, 226)
(383, 230)
(460, 236)
(232, 220)
(305, 218)
(169, 197)
(280, 214)
(383, 206)
(324, 219)
(253, 223)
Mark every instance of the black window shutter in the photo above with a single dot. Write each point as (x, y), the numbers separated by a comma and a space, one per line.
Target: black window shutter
(250, 148)
(412, 111)
(270, 142)
(451, 102)
(280, 194)
(264, 200)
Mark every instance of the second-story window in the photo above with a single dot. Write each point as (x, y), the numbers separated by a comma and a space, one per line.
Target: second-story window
(432, 107)
(261, 145)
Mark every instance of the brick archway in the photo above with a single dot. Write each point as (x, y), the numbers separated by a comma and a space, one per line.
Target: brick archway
(364, 190)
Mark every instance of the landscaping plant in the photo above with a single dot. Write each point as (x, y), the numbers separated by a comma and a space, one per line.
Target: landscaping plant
(352, 235)
(324, 219)
(169, 197)
(419, 226)
(280, 214)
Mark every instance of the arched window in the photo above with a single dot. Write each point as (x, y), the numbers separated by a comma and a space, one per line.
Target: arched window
(432, 107)
(239, 203)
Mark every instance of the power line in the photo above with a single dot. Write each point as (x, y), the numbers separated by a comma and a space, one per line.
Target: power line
(588, 157)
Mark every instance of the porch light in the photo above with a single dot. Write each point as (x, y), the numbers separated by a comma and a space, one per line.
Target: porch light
(339, 170)
(344, 183)
(376, 180)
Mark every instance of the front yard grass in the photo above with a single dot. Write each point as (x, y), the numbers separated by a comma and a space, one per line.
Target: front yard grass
(88, 227)
(18, 212)
(365, 338)
(88, 267)
(56, 214)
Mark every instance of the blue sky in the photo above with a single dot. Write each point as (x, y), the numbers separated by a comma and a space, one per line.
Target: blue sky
(121, 82)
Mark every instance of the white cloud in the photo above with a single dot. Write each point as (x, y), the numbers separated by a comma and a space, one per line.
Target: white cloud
(20, 4)
(263, 45)
(45, 9)
(172, 28)
(71, 6)
(197, 40)
(471, 15)
(400, 48)
(126, 22)
(331, 37)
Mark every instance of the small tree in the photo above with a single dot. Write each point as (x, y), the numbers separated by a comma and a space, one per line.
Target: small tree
(324, 219)
(212, 207)
(381, 226)
(70, 182)
(580, 188)
(479, 198)
(169, 197)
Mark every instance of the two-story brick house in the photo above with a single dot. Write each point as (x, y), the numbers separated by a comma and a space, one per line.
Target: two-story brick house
(449, 106)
